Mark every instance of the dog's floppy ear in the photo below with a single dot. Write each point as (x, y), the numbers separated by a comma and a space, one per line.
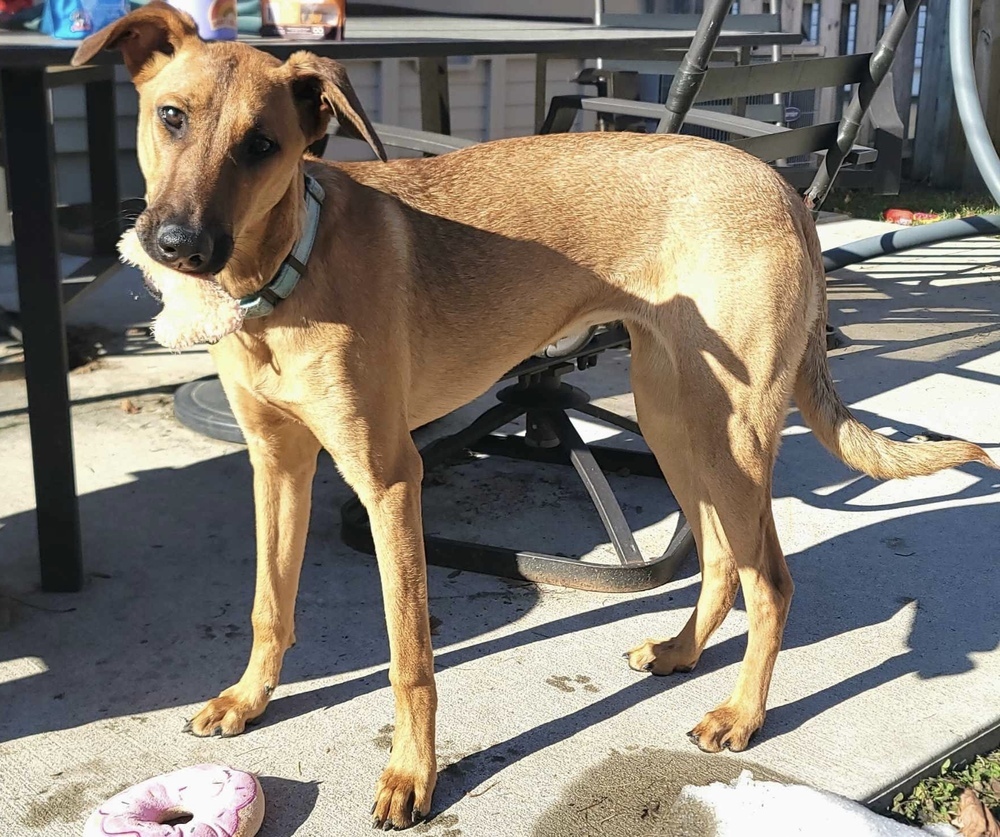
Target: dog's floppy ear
(322, 90)
(157, 27)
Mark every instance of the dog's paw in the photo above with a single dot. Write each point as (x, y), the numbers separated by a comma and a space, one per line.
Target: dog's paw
(227, 715)
(726, 728)
(661, 657)
(403, 794)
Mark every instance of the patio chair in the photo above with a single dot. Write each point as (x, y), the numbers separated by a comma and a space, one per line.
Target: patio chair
(544, 400)
(810, 157)
(630, 78)
(795, 152)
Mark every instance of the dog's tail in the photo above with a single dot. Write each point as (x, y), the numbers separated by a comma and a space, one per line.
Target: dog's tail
(851, 441)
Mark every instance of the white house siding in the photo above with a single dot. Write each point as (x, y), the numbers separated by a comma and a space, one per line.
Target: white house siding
(490, 98)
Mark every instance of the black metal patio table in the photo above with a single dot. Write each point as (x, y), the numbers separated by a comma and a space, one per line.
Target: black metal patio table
(25, 61)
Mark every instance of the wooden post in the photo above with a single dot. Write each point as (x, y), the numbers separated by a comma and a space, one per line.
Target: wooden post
(829, 39)
(902, 81)
(940, 153)
(939, 145)
(435, 103)
(866, 27)
(865, 38)
(791, 15)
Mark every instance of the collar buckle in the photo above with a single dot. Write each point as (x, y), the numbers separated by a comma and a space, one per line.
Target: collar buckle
(263, 302)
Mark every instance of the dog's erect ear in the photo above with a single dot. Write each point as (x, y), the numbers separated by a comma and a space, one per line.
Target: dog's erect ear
(322, 90)
(155, 28)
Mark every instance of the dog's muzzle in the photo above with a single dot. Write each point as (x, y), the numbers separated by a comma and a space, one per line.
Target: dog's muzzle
(188, 248)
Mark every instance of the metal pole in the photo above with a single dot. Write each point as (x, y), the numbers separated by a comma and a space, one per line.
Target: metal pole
(850, 123)
(691, 74)
(598, 21)
(775, 6)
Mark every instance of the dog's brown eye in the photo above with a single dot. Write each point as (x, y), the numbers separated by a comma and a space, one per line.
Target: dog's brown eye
(172, 117)
(260, 146)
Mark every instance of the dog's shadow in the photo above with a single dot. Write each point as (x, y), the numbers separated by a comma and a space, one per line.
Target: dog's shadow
(937, 592)
(163, 616)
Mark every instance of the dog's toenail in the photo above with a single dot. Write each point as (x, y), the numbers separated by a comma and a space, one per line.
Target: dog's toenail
(625, 655)
(647, 667)
(376, 823)
(388, 826)
(372, 811)
(693, 738)
(418, 816)
(217, 732)
(187, 727)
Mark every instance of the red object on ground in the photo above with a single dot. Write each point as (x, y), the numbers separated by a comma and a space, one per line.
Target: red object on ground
(10, 7)
(925, 217)
(899, 216)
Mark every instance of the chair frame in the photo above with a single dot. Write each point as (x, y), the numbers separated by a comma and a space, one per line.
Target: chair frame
(544, 400)
(877, 167)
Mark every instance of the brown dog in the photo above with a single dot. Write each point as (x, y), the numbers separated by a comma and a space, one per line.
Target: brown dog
(431, 278)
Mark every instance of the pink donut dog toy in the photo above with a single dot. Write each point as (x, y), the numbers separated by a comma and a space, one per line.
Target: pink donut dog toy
(219, 801)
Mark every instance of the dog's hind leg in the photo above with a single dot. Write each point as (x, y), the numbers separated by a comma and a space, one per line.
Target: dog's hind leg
(767, 589)
(657, 386)
(283, 454)
(716, 444)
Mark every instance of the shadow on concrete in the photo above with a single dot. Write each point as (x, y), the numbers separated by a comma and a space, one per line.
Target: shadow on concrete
(164, 616)
(288, 805)
(165, 611)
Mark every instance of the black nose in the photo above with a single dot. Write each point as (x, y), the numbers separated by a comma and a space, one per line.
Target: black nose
(184, 248)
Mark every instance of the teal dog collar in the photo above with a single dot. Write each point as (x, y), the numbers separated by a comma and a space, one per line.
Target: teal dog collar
(281, 286)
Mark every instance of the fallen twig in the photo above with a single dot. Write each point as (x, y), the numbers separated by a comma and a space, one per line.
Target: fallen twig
(474, 794)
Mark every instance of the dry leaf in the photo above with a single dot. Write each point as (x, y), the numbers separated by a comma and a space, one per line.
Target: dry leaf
(974, 818)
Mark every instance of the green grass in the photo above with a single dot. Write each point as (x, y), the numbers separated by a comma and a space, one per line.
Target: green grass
(935, 799)
(916, 198)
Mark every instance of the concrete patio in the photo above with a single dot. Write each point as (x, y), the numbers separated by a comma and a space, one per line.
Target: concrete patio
(891, 656)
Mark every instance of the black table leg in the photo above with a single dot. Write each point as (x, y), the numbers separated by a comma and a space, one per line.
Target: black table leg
(32, 201)
(102, 151)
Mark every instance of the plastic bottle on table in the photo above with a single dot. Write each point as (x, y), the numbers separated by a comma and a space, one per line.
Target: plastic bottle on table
(216, 19)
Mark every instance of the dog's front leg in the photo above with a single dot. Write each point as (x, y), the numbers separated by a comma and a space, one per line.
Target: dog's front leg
(283, 454)
(386, 474)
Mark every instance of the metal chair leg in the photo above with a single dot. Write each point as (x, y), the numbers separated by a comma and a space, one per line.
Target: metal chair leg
(622, 422)
(552, 439)
(599, 490)
(440, 451)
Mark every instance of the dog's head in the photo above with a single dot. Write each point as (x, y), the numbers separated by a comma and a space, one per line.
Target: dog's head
(222, 130)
